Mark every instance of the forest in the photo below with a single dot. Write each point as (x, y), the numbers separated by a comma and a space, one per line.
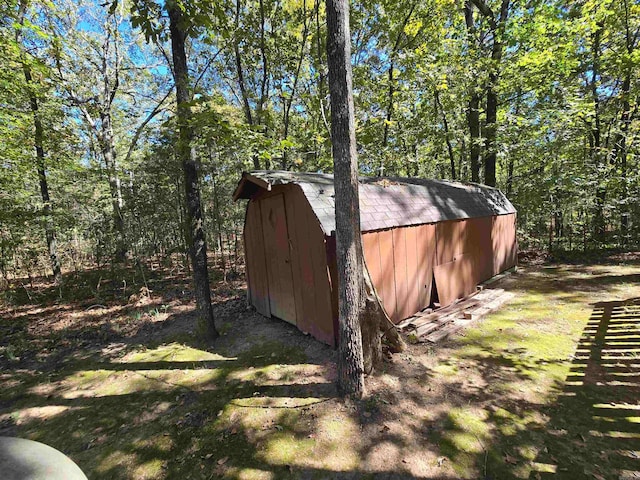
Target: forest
(539, 98)
(436, 274)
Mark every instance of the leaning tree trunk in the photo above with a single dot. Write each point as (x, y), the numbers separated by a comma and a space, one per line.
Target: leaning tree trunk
(195, 228)
(362, 320)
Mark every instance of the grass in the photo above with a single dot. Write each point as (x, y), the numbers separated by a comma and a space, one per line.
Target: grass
(546, 387)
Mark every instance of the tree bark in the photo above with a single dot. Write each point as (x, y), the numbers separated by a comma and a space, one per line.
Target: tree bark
(445, 124)
(47, 209)
(497, 26)
(473, 121)
(195, 229)
(349, 255)
(595, 139)
(107, 145)
(362, 320)
(473, 109)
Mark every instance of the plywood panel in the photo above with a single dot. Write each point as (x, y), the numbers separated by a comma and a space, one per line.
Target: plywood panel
(323, 319)
(330, 243)
(504, 243)
(278, 259)
(413, 280)
(388, 285)
(400, 263)
(257, 282)
(426, 250)
(371, 251)
(451, 240)
(455, 279)
(478, 238)
(297, 244)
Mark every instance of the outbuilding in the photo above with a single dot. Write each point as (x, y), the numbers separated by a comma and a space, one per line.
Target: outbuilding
(425, 242)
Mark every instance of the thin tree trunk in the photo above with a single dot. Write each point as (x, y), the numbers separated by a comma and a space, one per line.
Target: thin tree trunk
(452, 160)
(490, 133)
(473, 109)
(497, 26)
(289, 103)
(195, 231)
(391, 80)
(47, 209)
(621, 146)
(473, 120)
(349, 255)
(595, 139)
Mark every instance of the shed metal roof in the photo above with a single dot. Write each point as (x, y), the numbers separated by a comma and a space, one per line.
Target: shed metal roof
(386, 202)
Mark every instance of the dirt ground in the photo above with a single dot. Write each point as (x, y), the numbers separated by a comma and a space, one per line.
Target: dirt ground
(112, 374)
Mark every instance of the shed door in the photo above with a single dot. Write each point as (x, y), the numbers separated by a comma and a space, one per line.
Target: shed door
(278, 258)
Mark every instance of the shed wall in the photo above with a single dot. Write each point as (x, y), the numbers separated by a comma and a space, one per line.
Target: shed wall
(303, 245)
(257, 284)
(458, 254)
(400, 262)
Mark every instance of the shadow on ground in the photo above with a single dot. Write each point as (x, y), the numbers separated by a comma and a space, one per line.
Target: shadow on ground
(129, 392)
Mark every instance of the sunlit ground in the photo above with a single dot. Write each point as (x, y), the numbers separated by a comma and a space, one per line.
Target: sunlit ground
(546, 387)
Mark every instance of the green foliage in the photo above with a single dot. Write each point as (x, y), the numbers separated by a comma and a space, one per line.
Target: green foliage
(566, 131)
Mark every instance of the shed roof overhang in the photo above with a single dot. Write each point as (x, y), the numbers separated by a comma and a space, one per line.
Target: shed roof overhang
(249, 185)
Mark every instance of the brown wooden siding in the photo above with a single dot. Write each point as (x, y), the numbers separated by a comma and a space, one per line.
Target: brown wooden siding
(400, 262)
(310, 300)
(277, 251)
(257, 284)
(460, 254)
(455, 279)
(313, 256)
(504, 243)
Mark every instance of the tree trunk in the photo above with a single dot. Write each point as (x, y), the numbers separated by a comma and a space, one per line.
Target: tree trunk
(445, 124)
(473, 109)
(195, 230)
(289, 101)
(115, 188)
(595, 139)
(490, 133)
(473, 120)
(246, 107)
(497, 28)
(47, 209)
(348, 252)
(362, 321)
(49, 228)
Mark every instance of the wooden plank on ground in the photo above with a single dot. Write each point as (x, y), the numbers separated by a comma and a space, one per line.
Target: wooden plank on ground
(496, 302)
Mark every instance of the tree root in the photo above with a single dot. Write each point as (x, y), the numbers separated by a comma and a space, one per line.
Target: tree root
(376, 327)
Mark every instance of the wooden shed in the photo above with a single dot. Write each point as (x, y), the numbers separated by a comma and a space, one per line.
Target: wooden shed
(424, 241)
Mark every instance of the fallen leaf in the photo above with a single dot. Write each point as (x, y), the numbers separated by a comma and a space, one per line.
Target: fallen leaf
(222, 461)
